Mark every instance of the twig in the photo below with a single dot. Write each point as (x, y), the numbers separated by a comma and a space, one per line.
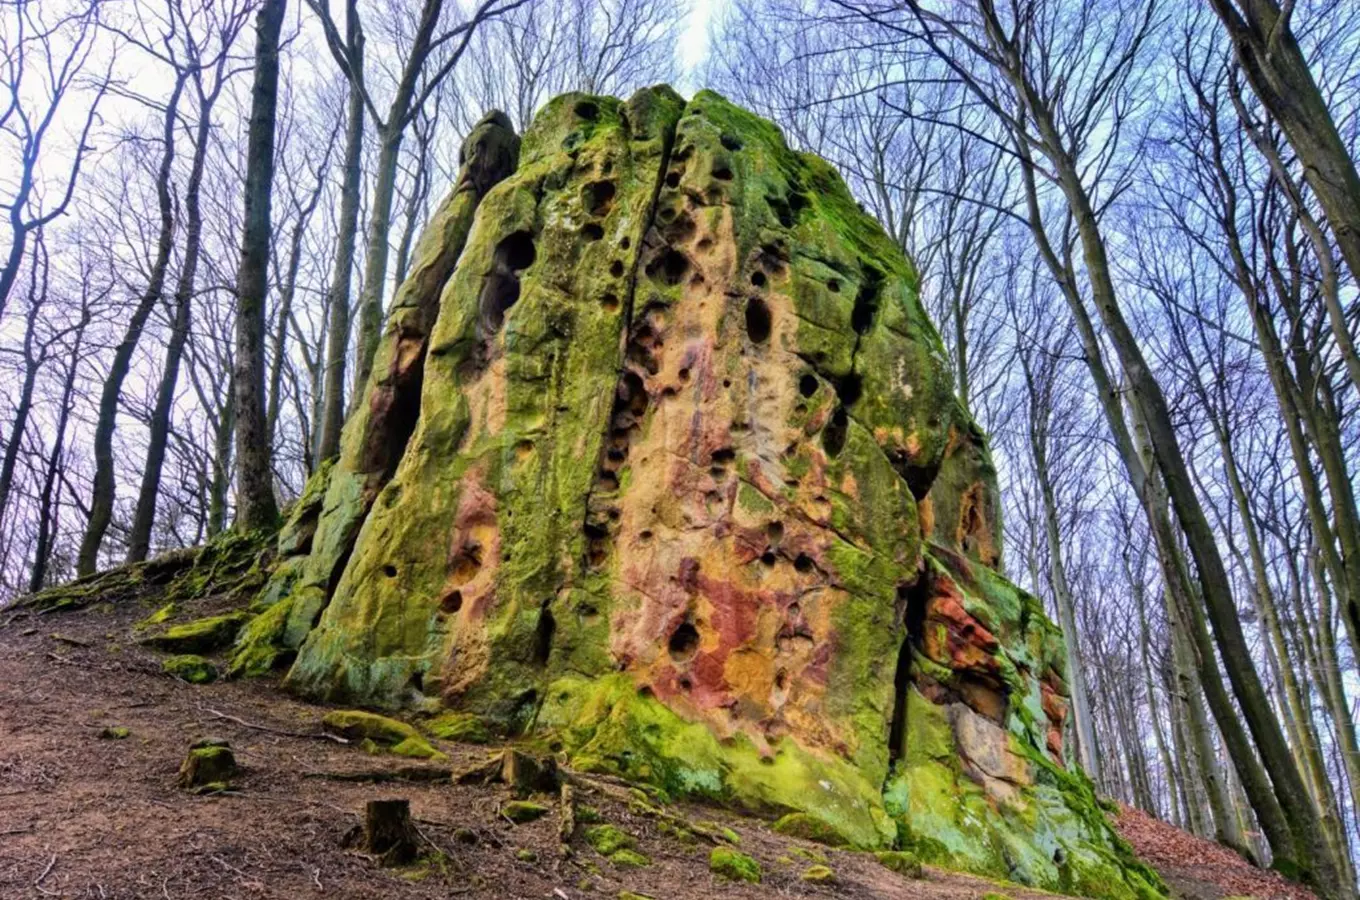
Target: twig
(323, 736)
(25, 830)
(316, 879)
(37, 882)
(73, 641)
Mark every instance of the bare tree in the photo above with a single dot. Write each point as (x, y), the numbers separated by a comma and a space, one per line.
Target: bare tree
(255, 503)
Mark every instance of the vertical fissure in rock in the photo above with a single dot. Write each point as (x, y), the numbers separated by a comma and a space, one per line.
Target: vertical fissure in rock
(911, 603)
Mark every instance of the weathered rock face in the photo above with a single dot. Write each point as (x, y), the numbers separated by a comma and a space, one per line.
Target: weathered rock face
(685, 492)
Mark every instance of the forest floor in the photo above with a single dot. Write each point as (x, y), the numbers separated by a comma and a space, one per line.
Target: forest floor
(86, 816)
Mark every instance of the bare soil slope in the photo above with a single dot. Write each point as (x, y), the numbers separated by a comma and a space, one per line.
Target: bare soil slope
(87, 815)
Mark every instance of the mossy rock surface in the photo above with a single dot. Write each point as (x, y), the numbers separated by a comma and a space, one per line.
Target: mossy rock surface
(521, 811)
(464, 728)
(207, 768)
(733, 865)
(380, 733)
(190, 668)
(900, 862)
(809, 828)
(607, 840)
(205, 635)
(661, 465)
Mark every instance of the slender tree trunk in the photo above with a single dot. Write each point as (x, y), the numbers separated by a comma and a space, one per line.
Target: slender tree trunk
(139, 538)
(32, 363)
(1278, 72)
(221, 466)
(101, 501)
(255, 504)
(332, 417)
(375, 264)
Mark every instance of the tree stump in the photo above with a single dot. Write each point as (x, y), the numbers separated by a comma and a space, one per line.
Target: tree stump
(389, 832)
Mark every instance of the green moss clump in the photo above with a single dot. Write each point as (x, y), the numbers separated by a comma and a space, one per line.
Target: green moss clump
(356, 724)
(733, 865)
(259, 647)
(901, 862)
(190, 668)
(629, 859)
(417, 748)
(809, 828)
(464, 728)
(521, 811)
(114, 733)
(993, 895)
(199, 636)
(608, 840)
(524, 854)
(819, 875)
(588, 815)
(159, 617)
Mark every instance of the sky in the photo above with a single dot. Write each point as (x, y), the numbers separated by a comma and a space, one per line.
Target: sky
(694, 42)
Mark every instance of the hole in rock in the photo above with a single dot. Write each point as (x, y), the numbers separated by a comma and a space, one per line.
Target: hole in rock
(543, 635)
(684, 642)
(586, 110)
(866, 301)
(672, 179)
(834, 434)
(731, 143)
(758, 278)
(774, 532)
(849, 388)
(780, 207)
(833, 286)
(781, 679)
(591, 231)
(669, 267)
(610, 302)
(768, 558)
(390, 570)
(803, 563)
(723, 456)
(452, 602)
(500, 289)
(757, 320)
(598, 197)
(686, 685)
(722, 173)
(625, 243)
(616, 268)
(807, 384)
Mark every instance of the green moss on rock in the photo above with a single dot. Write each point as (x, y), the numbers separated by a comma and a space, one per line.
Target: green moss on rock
(199, 636)
(900, 862)
(521, 811)
(819, 875)
(190, 668)
(733, 865)
(809, 828)
(465, 728)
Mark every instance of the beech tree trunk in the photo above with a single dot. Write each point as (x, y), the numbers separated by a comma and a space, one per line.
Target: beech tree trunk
(102, 495)
(255, 504)
(1264, 43)
(139, 538)
(338, 324)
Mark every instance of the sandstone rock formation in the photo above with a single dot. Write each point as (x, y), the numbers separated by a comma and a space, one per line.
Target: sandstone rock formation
(668, 473)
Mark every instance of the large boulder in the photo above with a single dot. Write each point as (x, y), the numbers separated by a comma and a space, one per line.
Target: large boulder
(686, 493)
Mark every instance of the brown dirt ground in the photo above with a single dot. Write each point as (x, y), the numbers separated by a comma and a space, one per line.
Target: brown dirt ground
(82, 816)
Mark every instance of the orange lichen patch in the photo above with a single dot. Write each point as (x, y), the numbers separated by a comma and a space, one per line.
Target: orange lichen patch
(925, 508)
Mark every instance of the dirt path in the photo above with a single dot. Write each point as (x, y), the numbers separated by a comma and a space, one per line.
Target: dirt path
(86, 816)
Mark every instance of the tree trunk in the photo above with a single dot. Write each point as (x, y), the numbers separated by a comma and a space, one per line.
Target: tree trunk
(1278, 72)
(338, 325)
(255, 504)
(375, 263)
(139, 538)
(101, 501)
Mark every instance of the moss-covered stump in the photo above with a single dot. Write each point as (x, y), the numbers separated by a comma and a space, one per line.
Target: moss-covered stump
(661, 467)
(209, 767)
